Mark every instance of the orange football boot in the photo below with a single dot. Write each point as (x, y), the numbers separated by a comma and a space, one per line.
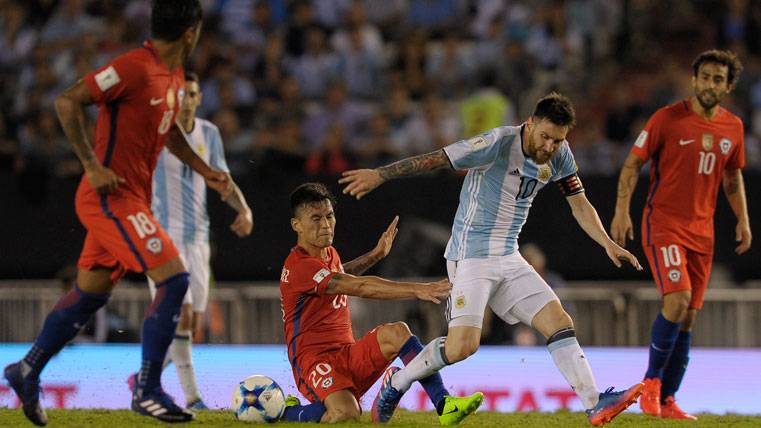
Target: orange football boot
(669, 410)
(650, 401)
(612, 403)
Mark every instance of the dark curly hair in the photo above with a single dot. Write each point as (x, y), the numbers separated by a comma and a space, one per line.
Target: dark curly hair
(728, 58)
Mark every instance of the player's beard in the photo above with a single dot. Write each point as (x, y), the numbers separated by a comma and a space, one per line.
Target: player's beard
(708, 99)
(540, 157)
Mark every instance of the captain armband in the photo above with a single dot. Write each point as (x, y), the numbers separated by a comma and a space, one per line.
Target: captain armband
(570, 185)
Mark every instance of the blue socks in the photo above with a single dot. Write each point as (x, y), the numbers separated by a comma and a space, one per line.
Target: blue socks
(673, 373)
(664, 335)
(68, 316)
(158, 330)
(433, 384)
(308, 413)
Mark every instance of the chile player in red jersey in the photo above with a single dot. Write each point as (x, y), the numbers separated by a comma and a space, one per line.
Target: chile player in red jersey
(138, 95)
(694, 146)
(331, 369)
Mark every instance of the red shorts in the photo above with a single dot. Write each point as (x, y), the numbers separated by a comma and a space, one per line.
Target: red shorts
(676, 268)
(354, 367)
(122, 235)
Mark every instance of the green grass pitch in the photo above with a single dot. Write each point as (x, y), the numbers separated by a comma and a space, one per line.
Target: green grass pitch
(125, 418)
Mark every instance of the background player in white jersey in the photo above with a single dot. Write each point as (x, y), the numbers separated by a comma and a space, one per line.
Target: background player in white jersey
(179, 203)
(506, 166)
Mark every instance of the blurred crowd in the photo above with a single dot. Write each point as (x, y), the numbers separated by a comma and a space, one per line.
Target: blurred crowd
(320, 86)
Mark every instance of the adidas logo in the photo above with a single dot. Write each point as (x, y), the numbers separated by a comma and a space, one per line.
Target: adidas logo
(516, 171)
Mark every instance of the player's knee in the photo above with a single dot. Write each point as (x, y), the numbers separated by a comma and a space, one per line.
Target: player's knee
(689, 320)
(458, 350)
(401, 331)
(676, 305)
(342, 414)
(394, 334)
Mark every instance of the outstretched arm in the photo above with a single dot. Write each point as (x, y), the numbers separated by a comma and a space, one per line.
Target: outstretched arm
(734, 188)
(177, 143)
(586, 215)
(364, 262)
(70, 109)
(244, 222)
(373, 287)
(621, 228)
(360, 182)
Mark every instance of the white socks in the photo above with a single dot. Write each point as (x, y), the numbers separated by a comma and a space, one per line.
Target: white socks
(429, 361)
(570, 360)
(179, 353)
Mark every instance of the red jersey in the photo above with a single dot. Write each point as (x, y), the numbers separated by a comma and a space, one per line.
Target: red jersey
(138, 98)
(314, 321)
(690, 155)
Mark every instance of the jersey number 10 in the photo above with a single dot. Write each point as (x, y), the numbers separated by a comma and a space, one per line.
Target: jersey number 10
(706, 163)
(526, 188)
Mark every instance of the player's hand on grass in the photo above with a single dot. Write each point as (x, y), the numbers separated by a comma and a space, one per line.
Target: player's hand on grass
(434, 291)
(221, 182)
(243, 223)
(743, 236)
(616, 253)
(104, 180)
(621, 228)
(360, 182)
(386, 240)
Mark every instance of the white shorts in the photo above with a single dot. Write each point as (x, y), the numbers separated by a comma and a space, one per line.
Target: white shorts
(196, 260)
(508, 284)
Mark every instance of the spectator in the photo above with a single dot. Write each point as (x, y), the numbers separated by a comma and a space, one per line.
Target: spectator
(432, 129)
(333, 157)
(337, 110)
(317, 66)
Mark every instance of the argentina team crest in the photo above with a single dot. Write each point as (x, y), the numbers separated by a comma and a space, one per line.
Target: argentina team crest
(725, 145)
(707, 142)
(545, 172)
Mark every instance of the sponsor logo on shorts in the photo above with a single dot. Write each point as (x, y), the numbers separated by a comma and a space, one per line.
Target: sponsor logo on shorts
(154, 245)
(459, 302)
(675, 275)
(327, 383)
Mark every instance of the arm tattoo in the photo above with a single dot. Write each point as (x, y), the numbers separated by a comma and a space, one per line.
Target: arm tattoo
(731, 185)
(628, 180)
(414, 165)
(361, 264)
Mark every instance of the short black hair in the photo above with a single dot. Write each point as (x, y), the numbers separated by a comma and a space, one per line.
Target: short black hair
(192, 77)
(171, 18)
(556, 108)
(308, 193)
(728, 58)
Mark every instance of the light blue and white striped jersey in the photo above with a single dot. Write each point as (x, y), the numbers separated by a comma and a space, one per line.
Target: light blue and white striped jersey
(179, 193)
(498, 190)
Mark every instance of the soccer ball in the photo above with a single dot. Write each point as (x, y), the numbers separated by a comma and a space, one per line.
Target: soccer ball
(258, 399)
